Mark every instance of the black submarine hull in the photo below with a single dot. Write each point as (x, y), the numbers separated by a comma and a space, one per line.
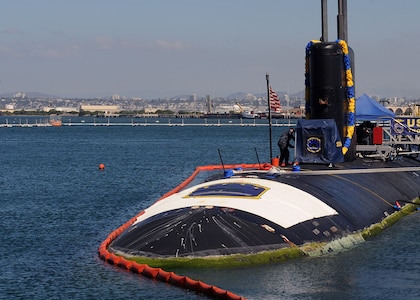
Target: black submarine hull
(209, 221)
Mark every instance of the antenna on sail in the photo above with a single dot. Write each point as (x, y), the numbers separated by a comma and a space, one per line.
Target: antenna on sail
(324, 16)
(342, 20)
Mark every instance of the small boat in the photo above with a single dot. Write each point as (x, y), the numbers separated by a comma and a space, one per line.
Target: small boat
(278, 115)
(56, 122)
(246, 114)
(249, 115)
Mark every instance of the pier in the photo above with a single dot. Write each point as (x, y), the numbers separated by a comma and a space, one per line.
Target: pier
(28, 123)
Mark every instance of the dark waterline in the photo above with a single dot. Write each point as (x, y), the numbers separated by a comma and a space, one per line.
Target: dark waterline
(57, 207)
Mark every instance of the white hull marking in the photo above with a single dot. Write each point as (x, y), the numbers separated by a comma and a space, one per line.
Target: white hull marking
(282, 204)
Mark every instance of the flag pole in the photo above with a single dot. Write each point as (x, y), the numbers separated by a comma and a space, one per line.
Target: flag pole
(267, 78)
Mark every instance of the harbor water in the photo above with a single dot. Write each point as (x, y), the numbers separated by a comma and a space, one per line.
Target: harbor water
(57, 206)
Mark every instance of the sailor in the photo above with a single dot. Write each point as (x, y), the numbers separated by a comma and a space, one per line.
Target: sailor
(366, 133)
(284, 144)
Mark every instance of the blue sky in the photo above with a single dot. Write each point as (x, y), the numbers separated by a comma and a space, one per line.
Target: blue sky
(160, 48)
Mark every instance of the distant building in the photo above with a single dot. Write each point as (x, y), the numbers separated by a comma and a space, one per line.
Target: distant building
(416, 110)
(19, 95)
(67, 109)
(10, 106)
(61, 109)
(102, 108)
(150, 110)
(209, 105)
(193, 97)
(250, 97)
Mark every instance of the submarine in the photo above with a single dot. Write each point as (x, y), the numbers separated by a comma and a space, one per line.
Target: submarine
(336, 194)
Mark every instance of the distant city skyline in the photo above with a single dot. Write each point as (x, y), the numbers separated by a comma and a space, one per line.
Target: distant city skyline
(299, 96)
(159, 49)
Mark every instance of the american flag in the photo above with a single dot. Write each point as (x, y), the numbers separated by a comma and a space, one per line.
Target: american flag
(274, 101)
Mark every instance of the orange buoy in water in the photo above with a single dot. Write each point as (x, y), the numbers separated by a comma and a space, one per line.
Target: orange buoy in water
(101, 166)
